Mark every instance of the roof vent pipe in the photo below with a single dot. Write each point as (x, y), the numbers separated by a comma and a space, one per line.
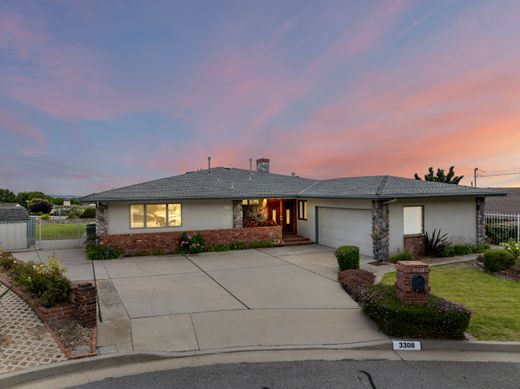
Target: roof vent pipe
(209, 165)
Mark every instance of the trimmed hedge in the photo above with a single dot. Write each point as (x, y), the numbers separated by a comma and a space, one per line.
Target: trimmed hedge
(354, 281)
(348, 257)
(438, 319)
(496, 260)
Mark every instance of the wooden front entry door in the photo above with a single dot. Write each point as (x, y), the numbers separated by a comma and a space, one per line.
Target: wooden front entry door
(289, 216)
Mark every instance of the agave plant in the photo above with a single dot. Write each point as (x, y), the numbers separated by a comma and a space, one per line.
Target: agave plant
(435, 244)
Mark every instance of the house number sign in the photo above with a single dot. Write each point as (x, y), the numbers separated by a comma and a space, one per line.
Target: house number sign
(407, 345)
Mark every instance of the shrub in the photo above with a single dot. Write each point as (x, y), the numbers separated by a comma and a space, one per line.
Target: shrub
(191, 244)
(437, 319)
(354, 281)
(401, 255)
(101, 252)
(251, 223)
(348, 257)
(481, 247)
(435, 244)
(463, 249)
(74, 212)
(496, 260)
(40, 205)
(45, 216)
(46, 282)
(260, 244)
(88, 213)
(513, 247)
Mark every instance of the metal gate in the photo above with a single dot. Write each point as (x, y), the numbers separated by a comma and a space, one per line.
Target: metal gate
(58, 234)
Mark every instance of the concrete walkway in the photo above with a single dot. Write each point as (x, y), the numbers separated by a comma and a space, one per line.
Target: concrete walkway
(274, 297)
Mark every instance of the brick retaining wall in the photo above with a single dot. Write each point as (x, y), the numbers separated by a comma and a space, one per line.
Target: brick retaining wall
(167, 242)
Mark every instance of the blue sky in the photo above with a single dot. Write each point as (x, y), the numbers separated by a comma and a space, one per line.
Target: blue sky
(98, 94)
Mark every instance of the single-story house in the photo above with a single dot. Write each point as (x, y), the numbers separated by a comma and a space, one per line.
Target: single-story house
(379, 214)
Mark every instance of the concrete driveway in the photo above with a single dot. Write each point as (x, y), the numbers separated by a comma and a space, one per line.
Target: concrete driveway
(273, 297)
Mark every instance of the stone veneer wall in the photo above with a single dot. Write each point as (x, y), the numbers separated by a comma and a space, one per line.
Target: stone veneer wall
(102, 219)
(481, 220)
(167, 242)
(238, 218)
(380, 230)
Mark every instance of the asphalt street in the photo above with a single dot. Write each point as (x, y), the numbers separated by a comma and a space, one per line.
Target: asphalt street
(328, 374)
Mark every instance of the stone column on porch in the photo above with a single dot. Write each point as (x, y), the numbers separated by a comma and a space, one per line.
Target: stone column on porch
(238, 216)
(380, 230)
(481, 220)
(101, 219)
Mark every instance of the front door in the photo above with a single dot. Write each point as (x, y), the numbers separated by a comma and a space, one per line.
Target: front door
(288, 216)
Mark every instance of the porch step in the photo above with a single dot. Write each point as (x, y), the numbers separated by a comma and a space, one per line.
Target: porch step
(295, 240)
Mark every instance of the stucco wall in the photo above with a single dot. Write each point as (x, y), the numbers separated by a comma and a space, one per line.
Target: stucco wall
(196, 215)
(456, 217)
(307, 227)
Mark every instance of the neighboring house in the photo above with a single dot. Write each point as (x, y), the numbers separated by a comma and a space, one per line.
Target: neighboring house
(379, 214)
(509, 204)
(13, 226)
(12, 212)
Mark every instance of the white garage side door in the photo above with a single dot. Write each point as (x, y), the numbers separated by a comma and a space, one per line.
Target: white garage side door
(338, 227)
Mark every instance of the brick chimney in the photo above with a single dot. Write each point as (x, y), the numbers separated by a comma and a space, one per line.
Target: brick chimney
(262, 165)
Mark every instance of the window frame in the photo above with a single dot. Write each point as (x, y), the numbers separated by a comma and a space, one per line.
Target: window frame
(145, 216)
(422, 219)
(303, 210)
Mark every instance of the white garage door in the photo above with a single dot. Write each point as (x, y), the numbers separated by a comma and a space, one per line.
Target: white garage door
(338, 227)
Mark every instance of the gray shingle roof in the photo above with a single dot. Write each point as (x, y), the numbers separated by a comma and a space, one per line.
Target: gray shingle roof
(231, 183)
(11, 212)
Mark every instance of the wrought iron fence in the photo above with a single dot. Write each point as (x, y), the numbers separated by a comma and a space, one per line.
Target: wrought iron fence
(502, 227)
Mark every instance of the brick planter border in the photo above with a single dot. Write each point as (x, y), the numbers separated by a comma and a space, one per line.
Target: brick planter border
(167, 242)
(51, 316)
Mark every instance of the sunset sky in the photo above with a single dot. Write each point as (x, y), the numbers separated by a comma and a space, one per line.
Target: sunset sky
(99, 94)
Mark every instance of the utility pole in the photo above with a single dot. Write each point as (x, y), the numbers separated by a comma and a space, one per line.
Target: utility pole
(475, 176)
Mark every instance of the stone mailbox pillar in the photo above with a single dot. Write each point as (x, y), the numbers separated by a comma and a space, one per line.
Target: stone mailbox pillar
(412, 285)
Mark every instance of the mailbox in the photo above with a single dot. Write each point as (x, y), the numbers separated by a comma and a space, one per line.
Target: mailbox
(418, 283)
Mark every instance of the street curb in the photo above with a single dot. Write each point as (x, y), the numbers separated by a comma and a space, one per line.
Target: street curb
(116, 360)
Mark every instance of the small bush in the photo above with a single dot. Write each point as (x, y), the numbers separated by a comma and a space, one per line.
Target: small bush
(348, 257)
(354, 281)
(496, 260)
(463, 249)
(74, 212)
(513, 247)
(481, 247)
(438, 319)
(401, 255)
(88, 213)
(259, 244)
(46, 282)
(45, 216)
(102, 252)
(191, 244)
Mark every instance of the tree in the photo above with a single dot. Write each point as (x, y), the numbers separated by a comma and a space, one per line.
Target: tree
(6, 196)
(23, 197)
(40, 205)
(440, 176)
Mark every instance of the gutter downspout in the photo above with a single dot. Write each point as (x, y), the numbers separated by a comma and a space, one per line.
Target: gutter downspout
(390, 201)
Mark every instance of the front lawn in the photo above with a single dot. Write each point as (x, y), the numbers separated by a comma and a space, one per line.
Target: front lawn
(495, 302)
(60, 231)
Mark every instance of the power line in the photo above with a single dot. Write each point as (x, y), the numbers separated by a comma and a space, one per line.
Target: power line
(498, 175)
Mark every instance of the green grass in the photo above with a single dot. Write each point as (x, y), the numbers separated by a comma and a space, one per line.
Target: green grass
(495, 302)
(60, 231)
